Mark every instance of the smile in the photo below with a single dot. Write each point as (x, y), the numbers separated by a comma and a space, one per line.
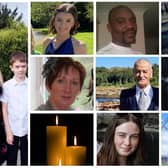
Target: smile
(126, 149)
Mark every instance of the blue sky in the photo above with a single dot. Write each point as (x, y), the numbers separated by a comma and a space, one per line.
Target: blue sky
(109, 62)
(165, 135)
(22, 8)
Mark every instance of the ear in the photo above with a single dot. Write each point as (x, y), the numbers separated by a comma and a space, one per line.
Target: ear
(151, 74)
(11, 67)
(47, 87)
(108, 27)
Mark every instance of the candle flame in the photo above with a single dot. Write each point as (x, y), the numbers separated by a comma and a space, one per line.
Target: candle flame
(56, 120)
(75, 140)
(59, 163)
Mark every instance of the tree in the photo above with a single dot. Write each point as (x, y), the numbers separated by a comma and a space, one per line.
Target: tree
(13, 37)
(7, 16)
(41, 13)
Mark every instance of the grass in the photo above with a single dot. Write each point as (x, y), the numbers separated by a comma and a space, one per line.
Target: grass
(86, 37)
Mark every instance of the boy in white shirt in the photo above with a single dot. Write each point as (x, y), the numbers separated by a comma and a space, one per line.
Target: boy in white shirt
(15, 109)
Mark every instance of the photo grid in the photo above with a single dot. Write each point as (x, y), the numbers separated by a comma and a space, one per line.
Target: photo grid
(83, 83)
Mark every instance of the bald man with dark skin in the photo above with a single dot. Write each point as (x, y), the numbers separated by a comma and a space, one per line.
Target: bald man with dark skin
(123, 28)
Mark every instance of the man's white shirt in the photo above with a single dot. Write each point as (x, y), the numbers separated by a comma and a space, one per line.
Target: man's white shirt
(112, 48)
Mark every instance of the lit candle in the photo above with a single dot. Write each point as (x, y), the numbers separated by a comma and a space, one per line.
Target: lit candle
(75, 155)
(59, 163)
(56, 144)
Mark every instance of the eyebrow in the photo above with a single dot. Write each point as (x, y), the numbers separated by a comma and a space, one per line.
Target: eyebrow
(64, 76)
(120, 132)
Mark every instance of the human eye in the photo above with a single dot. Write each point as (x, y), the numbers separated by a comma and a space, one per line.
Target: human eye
(68, 20)
(120, 20)
(60, 81)
(75, 83)
(145, 71)
(135, 137)
(121, 135)
(58, 19)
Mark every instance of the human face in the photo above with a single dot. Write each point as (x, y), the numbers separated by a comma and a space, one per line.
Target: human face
(142, 73)
(64, 89)
(123, 27)
(19, 69)
(126, 138)
(64, 22)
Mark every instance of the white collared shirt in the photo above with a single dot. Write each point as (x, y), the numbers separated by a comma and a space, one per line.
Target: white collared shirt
(113, 48)
(16, 96)
(148, 92)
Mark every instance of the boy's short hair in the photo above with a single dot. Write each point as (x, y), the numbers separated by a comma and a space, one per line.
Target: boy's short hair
(17, 56)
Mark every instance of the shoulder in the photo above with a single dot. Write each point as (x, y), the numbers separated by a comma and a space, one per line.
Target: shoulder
(106, 49)
(155, 90)
(128, 92)
(41, 107)
(46, 106)
(79, 46)
(135, 51)
(46, 42)
(8, 83)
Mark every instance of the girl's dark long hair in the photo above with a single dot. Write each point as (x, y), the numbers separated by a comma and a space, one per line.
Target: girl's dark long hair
(108, 154)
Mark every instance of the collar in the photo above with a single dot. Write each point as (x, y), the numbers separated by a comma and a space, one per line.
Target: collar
(50, 107)
(14, 82)
(147, 90)
(120, 47)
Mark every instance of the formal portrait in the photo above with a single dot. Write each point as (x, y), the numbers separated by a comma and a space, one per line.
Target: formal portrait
(127, 28)
(65, 139)
(127, 83)
(62, 28)
(62, 83)
(127, 139)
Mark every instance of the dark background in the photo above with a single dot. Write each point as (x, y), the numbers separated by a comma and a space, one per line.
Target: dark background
(80, 125)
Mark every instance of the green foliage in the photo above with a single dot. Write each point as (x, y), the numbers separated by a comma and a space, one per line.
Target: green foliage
(11, 40)
(7, 16)
(41, 13)
(121, 76)
(87, 38)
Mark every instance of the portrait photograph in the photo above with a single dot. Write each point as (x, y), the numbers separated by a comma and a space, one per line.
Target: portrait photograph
(59, 28)
(127, 28)
(121, 80)
(62, 83)
(127, 139)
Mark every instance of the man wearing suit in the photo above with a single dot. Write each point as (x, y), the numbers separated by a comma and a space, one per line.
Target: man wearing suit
(142, 96)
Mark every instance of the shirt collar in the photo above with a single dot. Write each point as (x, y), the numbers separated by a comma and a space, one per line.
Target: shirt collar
(19, 83)
(119, 46)
(147, 89)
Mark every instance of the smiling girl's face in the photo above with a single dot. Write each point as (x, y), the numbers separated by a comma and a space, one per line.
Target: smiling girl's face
(64, 22)
(126, 138)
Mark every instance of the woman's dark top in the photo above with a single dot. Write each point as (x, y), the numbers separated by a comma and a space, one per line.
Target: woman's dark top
(65, 48)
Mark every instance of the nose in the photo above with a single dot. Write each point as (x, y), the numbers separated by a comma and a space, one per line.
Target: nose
(130, 24)
(141, 74)
(68, 87)
(127, 141)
